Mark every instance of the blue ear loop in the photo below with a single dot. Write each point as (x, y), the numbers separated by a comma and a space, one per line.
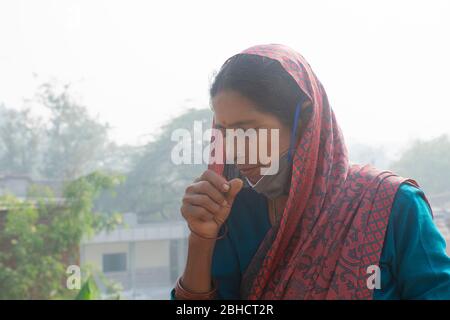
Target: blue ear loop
(294, 130)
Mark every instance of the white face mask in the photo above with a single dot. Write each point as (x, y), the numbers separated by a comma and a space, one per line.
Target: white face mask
(273, 186)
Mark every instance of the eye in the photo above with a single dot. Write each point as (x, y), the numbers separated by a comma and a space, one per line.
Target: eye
(248, 128)
(220, 128)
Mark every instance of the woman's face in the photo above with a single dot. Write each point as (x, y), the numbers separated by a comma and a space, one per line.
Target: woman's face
(234, 111)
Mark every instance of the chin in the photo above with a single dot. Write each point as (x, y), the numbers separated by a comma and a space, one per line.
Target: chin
(253, 179)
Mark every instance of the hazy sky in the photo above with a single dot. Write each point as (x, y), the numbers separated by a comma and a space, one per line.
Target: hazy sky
(385, 64)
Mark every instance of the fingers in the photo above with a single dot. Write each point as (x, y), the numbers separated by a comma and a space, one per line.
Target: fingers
(210, 188)
(216, 180)
(190, 211)
(206, 199)
(202, 200)
(206, 188)
(235, 187)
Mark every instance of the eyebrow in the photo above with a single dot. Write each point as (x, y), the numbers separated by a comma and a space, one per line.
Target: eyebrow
(236, 124)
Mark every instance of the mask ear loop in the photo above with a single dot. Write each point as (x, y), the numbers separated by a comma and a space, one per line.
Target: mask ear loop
(294, 130)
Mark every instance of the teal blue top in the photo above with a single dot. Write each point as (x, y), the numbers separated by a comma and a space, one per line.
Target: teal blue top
(413, 262)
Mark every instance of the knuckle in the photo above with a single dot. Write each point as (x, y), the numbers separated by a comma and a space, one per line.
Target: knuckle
(188, 189)
(205, 174)
(219, 197)
(214, 206)
(203, 186)
(202, 199)
(183, 211)
(202, 211)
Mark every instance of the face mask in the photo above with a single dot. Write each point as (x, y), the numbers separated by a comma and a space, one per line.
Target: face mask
(273, 186)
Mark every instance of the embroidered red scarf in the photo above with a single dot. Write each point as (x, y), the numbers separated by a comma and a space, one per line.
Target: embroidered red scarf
(334, 222)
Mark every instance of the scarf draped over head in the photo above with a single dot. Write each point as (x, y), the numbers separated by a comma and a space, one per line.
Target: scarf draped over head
(333, 226)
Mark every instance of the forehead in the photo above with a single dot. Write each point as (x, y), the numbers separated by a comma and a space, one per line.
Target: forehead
(230, 107)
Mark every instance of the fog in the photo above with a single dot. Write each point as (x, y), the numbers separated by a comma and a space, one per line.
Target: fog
(136, 64)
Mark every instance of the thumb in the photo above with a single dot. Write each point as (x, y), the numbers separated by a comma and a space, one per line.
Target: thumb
(235, 186)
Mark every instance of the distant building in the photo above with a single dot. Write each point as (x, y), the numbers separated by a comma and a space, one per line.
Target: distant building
(19, 185)
(146, 259)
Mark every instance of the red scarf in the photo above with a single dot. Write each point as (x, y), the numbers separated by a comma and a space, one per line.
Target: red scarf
(333, 226)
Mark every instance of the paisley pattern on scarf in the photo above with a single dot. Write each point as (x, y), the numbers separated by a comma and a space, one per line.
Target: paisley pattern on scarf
(336, 215)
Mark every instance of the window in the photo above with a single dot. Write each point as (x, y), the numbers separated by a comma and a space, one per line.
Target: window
(114, 262)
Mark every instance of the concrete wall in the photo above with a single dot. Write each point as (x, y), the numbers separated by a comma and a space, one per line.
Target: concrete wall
(150, 264)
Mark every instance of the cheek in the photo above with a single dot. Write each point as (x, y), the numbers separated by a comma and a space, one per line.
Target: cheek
(279, 142)
(285, 139)
(273, 145)
(249, 152)
(257, 150)
(241, 151)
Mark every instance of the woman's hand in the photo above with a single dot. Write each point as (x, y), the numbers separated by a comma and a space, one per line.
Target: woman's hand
(207, 203)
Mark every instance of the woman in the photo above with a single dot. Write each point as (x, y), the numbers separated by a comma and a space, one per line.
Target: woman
(320, 228)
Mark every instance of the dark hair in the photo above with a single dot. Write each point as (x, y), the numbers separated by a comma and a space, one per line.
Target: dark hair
(263, 81)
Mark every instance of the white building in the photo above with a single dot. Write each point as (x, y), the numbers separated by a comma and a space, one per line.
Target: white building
(146, 259)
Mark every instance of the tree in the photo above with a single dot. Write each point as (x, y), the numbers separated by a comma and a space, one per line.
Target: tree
(428, 162)
(71, 143)
(39, 239)
(21, 137)
(75, 140)
(119, 158)
(155, 185)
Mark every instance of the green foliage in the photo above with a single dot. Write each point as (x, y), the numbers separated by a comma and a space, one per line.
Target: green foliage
(89, 291)
(41, 237)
